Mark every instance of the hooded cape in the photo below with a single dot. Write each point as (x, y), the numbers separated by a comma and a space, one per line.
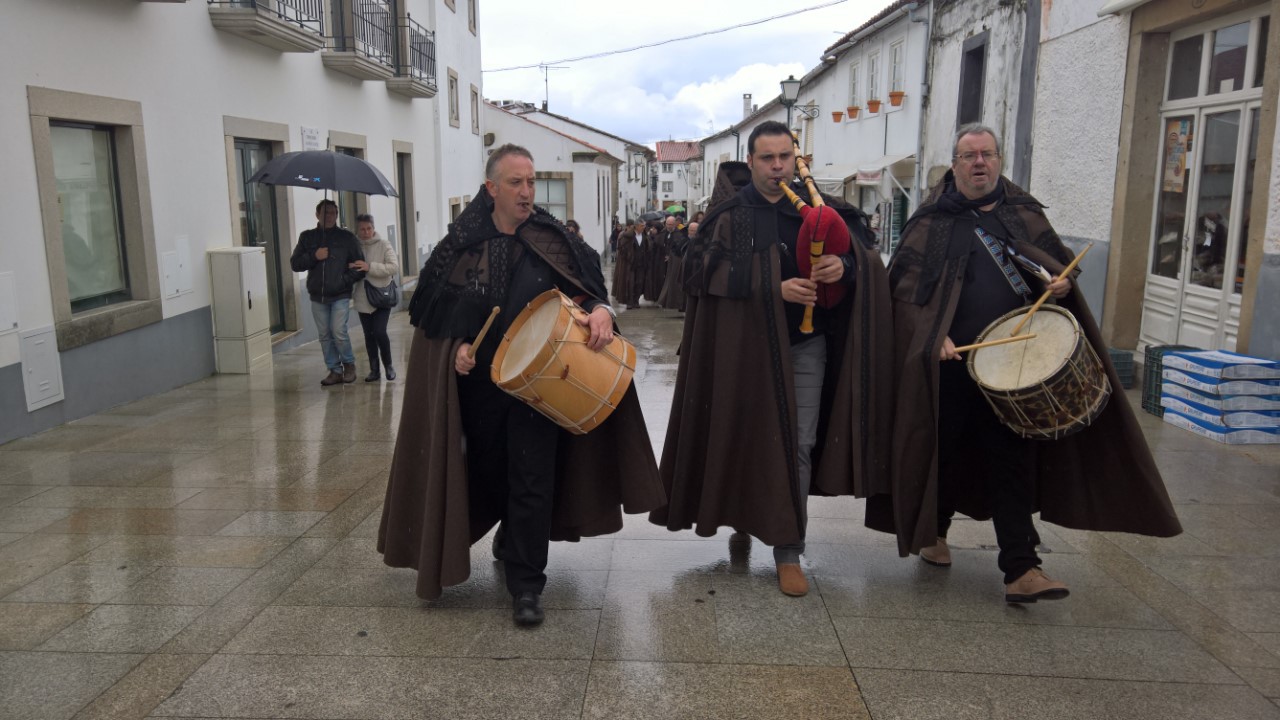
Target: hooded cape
(1100, 478)
(730, 451)
(425, 522)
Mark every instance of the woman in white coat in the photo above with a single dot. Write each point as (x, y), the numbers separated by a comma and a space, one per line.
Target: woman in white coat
(383, 265)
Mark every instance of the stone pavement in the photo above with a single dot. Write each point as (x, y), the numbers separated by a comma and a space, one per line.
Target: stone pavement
(209, 553)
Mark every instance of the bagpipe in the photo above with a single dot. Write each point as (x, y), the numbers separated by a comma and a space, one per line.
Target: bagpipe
(822, 231)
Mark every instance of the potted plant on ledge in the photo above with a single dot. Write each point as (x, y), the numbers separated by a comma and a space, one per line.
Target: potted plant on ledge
(852, 110)
(837, 115)
(873, 106)
(895, 97)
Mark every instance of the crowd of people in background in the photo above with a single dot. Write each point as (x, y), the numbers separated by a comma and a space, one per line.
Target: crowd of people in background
(648, 260)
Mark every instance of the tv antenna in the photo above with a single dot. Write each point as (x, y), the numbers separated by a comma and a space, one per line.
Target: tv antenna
(546, 84)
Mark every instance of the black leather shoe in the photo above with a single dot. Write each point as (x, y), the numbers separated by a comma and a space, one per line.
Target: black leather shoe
(391, 373)
(527, 608)
(372, 377)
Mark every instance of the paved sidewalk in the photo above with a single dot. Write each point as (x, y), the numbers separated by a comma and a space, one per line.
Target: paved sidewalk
(209, 553)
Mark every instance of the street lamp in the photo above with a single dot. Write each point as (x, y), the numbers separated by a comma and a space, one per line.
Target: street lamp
(791, 92)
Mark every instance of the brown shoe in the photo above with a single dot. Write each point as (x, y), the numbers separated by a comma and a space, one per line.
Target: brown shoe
(1034, 585)
(348, 372)
(791, 580)
(332, 378)
(937, 554)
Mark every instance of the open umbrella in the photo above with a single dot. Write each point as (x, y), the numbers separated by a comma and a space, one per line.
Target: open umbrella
(324, 170)
(675, 208)
(651, 215)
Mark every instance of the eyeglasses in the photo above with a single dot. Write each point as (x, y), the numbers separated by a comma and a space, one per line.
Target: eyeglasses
(969, 157)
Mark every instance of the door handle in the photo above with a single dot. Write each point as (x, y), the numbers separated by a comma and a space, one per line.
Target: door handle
(250, 294)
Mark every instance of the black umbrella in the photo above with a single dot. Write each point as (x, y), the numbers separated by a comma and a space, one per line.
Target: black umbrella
(652, 215)
(324, 170)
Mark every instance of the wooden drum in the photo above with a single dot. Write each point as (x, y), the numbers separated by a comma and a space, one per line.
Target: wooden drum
(544, 361)
(1047, 387)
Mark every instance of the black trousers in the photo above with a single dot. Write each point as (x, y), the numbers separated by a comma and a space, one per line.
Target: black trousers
(511, 466)
(376, 340)
(967, 423)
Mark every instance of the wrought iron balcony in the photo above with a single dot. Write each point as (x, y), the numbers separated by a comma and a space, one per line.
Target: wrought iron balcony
(363, 43)
(286, 25)
(415, 61)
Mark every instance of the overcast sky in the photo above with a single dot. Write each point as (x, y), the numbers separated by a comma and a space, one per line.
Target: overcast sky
(685, 90)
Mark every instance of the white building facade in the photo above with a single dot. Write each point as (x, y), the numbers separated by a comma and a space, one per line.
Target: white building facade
(574, 178)
(126, 167)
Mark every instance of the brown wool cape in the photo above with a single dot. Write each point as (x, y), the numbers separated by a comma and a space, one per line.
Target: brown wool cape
(626, 269)
(1101, 478)
(425, 523)
(729, 458)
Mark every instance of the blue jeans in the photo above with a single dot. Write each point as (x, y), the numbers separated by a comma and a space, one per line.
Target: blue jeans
(331, 322)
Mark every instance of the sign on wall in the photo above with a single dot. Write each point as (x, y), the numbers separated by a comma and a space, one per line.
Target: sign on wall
(311, 139)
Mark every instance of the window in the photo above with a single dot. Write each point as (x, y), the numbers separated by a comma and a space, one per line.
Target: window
(350, 204)
(552, 195)
(668, 186)
(471, 16)
(873, 77)
(854, 98)
(895, 67)
(100, 254)
(666, 167)
(475, 110)
(1233, 56)
(84, 166)
(972, 72)
(455, 118)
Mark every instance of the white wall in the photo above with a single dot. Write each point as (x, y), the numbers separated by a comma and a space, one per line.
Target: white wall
(186, 75)
(894, 130)
(553, 152)
(955, 23)
(1079, 101)
(679, 191)
(460, 169)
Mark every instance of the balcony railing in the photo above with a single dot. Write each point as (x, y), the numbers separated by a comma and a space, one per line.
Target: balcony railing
(369, 31)
(306, 14)
(418, 61)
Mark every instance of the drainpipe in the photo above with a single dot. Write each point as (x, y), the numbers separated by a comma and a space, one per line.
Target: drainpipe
(918, 189)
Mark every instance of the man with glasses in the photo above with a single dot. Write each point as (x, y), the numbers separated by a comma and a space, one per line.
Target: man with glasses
(978, 248)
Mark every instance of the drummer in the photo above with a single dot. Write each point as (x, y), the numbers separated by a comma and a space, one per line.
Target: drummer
(978, 248)
(469, 456)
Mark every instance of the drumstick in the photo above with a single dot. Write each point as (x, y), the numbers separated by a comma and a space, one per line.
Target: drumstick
(1066, 271)
(471, 351)
(989, 343)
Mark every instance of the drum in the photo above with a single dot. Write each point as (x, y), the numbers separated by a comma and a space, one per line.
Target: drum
(544, 361)
(1047, 387)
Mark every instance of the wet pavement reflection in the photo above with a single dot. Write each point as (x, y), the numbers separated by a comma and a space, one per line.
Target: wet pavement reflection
(209, 552)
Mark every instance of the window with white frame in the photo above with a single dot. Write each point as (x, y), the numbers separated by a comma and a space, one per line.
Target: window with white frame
(471, 16)
(854, 98)
(895, 67)
(666, 167)
(668, 186)
(554, 196)
(1223, 60)
(873, 77)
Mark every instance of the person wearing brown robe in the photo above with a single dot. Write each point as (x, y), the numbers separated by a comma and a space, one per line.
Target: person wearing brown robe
(672, 297)
(950, 452)
(655, 251)
(628, 265)
(469, 456)
(764, 415)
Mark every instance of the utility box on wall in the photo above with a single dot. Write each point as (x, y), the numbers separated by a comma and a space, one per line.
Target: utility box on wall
(241, 317)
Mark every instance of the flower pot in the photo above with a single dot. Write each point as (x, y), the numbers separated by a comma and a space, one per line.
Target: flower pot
(837, 115)
(853, 111)
(895, 98)
(873, 106)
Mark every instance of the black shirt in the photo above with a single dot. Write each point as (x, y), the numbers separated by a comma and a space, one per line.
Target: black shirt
(985, 295)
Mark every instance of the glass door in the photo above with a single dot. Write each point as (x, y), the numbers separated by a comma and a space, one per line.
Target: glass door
(256, 204)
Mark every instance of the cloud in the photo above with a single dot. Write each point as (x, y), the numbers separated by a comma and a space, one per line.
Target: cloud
(684, 90)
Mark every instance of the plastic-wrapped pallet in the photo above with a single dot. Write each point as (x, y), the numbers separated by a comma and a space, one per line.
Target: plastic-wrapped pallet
(1224, 396)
